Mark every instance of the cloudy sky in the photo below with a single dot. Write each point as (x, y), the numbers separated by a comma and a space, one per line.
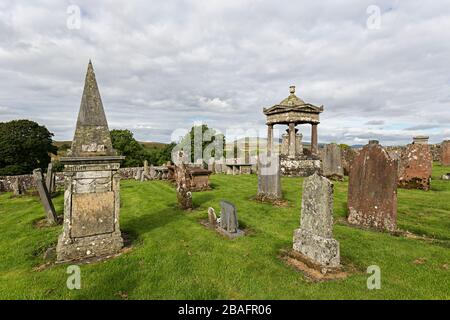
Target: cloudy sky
(165, 65)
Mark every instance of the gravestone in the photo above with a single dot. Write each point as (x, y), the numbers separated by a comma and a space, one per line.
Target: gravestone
(45, 197)
(139, 173)
(372, 189)
(50, 179)
(153, 173)
(332, 162)
(92, 184)
(228, 222)
(184, 195)
(445, 153)
(212, 167)
(269, 178)
(415, 166)
(212, 217)
(146, 168)
(314, 239)
(218, 167)
(17, 187)
(347, 156)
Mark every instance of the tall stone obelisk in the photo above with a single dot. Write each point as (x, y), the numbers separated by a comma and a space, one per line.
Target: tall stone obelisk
(92, 184)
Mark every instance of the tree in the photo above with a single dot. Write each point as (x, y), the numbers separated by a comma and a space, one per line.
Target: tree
(24, 146)
(135, 153)
(125, 143)
(207, 136)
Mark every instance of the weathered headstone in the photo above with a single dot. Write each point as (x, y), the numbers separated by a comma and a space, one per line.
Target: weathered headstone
(50, 179)
(415, 166)
(17, 187)
(92, 184)
(228, 222)
(184, 195)
(332, 162)
(45, 197)
(372, 189)
(146, 168)
(314, 239)
(212, 167)
(347, 155)
(139, 173)
(269, 178)
(153, 172)
(212, 217)
(445, 153)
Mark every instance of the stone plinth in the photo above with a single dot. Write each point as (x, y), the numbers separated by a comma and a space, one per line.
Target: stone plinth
(372, 189)
(314, 239)
(299, 167)
(91, 208)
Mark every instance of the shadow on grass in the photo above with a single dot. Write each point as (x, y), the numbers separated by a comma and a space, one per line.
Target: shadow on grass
(137, 226)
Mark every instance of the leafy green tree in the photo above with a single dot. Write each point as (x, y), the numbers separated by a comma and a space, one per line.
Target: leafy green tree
(165, 154)
(208, 137)
(24, 146)
(125, 143)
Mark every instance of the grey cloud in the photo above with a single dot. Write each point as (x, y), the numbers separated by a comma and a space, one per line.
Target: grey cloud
(375, 122)
(164, 65)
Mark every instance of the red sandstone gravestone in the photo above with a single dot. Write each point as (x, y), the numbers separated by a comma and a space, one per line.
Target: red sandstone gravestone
(445, 153)
(372, 189)
(414, 170)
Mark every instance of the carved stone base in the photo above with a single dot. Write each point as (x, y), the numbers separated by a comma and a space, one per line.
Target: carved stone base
(323, 251)
(88, 247)
(230, 235)
(299, 167)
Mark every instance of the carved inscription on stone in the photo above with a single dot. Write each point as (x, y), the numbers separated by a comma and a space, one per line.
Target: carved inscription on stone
(92, 214)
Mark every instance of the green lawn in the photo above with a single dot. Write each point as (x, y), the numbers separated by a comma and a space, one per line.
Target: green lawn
(174, 257)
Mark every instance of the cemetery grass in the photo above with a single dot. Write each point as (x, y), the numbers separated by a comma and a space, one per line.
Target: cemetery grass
(172, 256)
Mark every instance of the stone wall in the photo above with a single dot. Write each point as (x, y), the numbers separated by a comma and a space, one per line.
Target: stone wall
(396, 151)
(27, 180)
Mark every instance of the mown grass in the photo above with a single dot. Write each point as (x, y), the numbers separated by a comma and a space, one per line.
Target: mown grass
(174, 257)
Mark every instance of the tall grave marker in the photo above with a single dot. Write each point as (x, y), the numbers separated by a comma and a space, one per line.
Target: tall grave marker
(92, 184)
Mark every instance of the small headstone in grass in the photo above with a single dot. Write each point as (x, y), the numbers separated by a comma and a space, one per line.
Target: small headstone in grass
(314, 239)
(139, 173)
(372, 189)
(146, 168)
(415, 165)
(212, 218)
(332, 162)
(445, 153)
(44, 195)
(50, 179)
(228, 222)
(269, 179)
(17, 187)
(184, 195)
(152, 173)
